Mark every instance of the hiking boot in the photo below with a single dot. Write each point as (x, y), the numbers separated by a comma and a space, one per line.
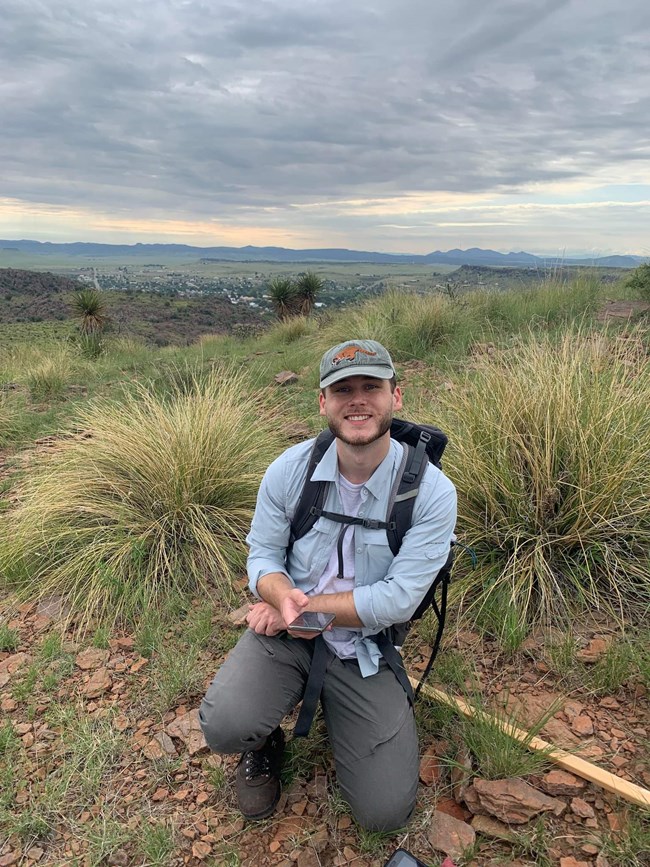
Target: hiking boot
(258, 777)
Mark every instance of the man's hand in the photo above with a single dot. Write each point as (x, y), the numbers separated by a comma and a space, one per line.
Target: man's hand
(293, 604)
(264, 619)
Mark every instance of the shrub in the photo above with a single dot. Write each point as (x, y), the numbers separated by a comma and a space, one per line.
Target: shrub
(549, 453)
(157, 501)
(639, 281)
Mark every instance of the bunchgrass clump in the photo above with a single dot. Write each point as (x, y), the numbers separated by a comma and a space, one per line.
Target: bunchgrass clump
(293, 329)
(49, 377)
(156, 502)
(409, 325)
(156, 843)
(550, 303)
(9, 638)
(548, 451)
(488, 736)
(630, 847)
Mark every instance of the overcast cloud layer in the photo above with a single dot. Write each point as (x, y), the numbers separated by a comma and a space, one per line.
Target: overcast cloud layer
(405, 126)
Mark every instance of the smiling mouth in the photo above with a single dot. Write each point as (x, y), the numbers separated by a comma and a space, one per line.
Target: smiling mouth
(358, 417)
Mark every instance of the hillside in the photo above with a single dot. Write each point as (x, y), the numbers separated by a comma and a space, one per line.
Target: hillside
(32, 296)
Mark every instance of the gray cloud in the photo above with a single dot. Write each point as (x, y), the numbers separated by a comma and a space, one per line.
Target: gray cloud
(195, 108)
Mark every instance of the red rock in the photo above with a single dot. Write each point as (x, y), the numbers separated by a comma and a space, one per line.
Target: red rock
(596, 648)
(615, 821)
(513, 801)
(159, 746)
(582, 725)
(450, 836)
(286, 377)
(8, 705)
(91, 657)
(430, 767)
(238, 617)
(98, 684)
(290, 826)
(12, 663)
(8, 859)
(188, 729)
(461, 774)
(570, 861)
(560, 734)
(609, 703)
(489, 827)
(201, 850)
(160, 794)
(274, 846)
(139, 664)
(581, 808)
(449, 806)
(562, 783)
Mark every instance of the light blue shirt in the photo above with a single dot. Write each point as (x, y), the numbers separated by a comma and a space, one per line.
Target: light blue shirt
(387, 589)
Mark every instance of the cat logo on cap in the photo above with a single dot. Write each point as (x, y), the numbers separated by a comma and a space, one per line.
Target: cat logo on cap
(349, 354)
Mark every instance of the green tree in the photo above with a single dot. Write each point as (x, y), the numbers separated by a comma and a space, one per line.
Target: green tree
(308, 287)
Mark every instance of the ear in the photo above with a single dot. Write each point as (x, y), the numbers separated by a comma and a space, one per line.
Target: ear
(321, 403)
(397, 398)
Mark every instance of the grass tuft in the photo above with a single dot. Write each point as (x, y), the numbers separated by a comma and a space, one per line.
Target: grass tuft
(548, 451)
(156, 502)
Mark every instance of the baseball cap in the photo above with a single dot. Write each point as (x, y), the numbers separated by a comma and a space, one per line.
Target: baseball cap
(356, 358)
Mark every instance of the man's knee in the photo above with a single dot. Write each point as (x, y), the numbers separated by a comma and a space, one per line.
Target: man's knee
(382, 813)
(227, 728)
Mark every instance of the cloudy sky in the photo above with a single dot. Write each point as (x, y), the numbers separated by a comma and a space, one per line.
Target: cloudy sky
(372, 124)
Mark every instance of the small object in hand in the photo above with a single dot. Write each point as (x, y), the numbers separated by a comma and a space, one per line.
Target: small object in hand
(311, 621)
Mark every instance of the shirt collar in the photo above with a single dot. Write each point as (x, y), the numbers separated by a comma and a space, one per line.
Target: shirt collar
(327, 470)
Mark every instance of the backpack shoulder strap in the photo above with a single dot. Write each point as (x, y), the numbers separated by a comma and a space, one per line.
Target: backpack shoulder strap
(412, 469)
(312, 495)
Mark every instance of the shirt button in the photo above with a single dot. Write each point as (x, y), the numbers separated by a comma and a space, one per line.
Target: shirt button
(359, 550)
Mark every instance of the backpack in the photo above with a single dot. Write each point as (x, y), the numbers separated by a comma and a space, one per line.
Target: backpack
(423, 443)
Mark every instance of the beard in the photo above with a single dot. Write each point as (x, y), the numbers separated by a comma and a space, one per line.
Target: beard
(362, 438)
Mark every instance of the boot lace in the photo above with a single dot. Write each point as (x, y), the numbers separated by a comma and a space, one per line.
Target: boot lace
(256, 764)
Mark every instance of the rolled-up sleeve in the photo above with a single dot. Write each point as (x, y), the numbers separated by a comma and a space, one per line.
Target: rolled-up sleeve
(269, 534)
(424, 551)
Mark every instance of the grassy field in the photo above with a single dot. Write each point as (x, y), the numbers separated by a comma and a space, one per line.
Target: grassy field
(192, 265)
(127, 480)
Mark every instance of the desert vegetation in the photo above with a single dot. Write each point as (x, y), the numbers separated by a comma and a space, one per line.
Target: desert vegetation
(127, 482)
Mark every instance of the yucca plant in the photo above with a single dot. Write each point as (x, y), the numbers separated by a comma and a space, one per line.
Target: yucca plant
(284, 297)
(89, 306)
(156, 501)
(308, 286)
(549, 447)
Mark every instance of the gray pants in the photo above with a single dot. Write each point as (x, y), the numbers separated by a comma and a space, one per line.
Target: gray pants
(370, 724)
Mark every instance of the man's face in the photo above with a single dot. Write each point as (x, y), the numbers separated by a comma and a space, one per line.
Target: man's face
(359, 409)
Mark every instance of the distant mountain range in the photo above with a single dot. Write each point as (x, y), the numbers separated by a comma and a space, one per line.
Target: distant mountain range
(473, 256)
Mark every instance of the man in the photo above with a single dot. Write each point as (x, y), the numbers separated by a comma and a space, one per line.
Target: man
(349, 572)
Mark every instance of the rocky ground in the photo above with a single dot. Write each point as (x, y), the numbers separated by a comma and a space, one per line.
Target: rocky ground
(102, 760)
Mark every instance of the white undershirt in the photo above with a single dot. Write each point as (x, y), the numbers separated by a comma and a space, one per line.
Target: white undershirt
(341, 639)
